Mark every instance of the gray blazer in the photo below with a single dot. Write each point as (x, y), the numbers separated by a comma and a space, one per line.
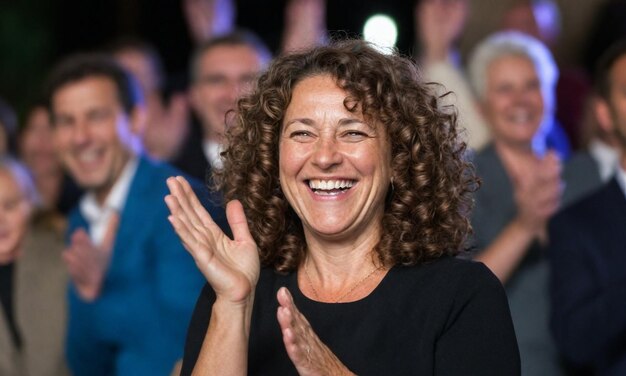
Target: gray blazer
(527, 289)
(40, 283)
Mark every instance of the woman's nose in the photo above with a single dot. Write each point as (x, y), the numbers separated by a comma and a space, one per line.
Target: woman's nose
(327, 153)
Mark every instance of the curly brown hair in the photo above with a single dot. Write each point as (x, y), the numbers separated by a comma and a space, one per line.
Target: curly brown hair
(427, 206)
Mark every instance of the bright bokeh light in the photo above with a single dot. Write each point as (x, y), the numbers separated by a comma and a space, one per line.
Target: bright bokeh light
(381, 30)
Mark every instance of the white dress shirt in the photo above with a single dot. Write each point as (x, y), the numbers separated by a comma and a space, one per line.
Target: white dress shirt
(98, 216)
(212, 152)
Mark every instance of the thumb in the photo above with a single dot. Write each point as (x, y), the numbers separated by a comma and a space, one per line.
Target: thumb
(237, 221)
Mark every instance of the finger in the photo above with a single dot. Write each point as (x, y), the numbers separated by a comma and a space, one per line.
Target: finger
(196, 244)
(237, 221)
(301, 345)
(196, 206)
(297, 348)
(299, 323)
(180, 209)
(188, 213)
(185, 229)
(190, 237)
(177, 191)
(285, 314)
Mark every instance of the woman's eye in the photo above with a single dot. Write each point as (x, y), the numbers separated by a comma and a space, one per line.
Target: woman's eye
(300, 134)
(355, 135)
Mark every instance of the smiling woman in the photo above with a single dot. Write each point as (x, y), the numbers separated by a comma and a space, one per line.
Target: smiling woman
(515, 77)
(32, 280)
(349, 196)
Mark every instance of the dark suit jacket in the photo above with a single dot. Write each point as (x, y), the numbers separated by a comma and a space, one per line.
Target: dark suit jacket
(588, 282)
(191, 158)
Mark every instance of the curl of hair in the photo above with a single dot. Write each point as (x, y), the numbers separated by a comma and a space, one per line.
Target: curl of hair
(428, 203)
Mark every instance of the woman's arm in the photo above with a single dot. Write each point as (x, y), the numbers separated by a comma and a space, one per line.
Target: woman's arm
(504, 254)
(231, 266)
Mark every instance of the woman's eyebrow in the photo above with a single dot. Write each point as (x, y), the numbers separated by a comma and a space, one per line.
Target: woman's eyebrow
(347, 121)
(305, 121)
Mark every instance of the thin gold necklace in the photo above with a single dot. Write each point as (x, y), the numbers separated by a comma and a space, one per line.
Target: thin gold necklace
(317, 296)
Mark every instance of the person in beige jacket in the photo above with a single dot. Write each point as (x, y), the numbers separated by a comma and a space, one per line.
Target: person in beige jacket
(33, 280)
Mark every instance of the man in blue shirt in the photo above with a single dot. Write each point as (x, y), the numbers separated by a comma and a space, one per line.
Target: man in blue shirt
(133, 285)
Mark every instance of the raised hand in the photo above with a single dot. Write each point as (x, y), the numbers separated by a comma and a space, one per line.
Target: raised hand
(230, 266)
(166, 126)
(438, 23)
(208, 18)
(307, 352)
(87, 263)
(305, 24)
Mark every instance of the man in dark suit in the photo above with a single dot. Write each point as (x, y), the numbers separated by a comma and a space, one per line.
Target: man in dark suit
(588, 247)
(133, 285)
(221, 70)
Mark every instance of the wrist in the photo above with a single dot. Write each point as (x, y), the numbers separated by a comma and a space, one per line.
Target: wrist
(240, 311)
(527, 227)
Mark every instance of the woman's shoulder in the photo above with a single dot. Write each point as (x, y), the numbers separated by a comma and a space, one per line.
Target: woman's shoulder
(450, 268)
(450, 277)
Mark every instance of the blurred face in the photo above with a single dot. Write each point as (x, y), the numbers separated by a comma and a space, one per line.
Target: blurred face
(36, 150)
(15, 212)
(93, 133)
(334, 165)
(513, 103)
(224, 73)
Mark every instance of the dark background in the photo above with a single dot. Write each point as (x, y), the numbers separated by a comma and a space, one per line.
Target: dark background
(34, 34)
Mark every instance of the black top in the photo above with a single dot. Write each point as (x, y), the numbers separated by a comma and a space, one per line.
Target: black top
(449, 317)
(6, 300)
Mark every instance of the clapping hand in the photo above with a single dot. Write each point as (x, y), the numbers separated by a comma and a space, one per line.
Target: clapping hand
(231, 266)
(87, 263)
(307, 352)
(538, 195)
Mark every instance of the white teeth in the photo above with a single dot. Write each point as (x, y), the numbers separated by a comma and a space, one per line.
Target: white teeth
(521, 116)
(330, 184)
(88, 156)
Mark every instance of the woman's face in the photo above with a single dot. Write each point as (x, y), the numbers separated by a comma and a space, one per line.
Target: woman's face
(15, 212)
(335, 167)
(36, 146)
(513, 103)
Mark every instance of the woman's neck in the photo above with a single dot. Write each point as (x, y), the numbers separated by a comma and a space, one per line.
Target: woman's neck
(333, 257)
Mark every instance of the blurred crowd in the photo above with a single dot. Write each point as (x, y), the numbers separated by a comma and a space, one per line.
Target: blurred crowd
(82, 177)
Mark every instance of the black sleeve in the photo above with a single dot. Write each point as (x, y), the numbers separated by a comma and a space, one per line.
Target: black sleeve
(479, 338)
(197, 329)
